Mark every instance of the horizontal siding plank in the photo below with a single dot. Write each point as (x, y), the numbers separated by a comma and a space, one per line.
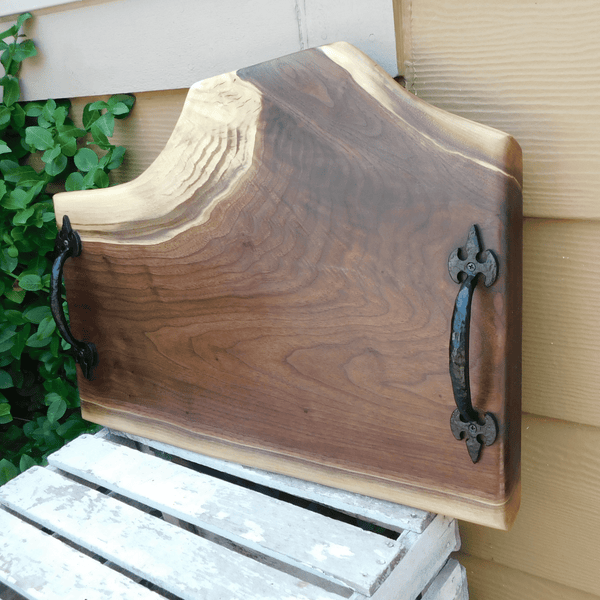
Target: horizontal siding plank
(561, 320)
(144, 132)
(40, 567)
(166, 555)
(531, 69)
(306, 540)
(491, 581)
(557, 533)
(395, 517)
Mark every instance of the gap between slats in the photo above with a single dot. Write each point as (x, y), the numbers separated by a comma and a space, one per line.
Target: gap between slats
(184, 564)
(306, 542)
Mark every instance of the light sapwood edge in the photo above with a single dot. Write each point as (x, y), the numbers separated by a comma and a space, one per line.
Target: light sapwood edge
(209, 152)
(483, 139)
(200, 157)
(498, 515)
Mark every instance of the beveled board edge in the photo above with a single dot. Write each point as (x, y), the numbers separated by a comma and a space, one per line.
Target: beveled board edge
(497, 515)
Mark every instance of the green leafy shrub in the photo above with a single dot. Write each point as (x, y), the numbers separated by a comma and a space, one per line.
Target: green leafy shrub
(41, 150)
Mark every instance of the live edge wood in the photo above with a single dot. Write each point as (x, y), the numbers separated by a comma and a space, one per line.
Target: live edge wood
(274, 288)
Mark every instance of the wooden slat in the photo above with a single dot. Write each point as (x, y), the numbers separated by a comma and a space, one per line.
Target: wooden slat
(40, 567)
(490, 581)
(529, 68)
(395, 517)
(177, 560)
(427, 554)
(306, 540)
(561, 320)
(450, 584)
(557, 533)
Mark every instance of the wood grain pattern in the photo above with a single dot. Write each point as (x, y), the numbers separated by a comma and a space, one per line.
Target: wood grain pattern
(557, 533)
(274, 288)
(561, 328)
(490, 581)
(529, 68)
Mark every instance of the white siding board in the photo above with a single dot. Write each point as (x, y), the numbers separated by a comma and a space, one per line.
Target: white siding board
(40, 567)
(176, 560)
(308, 541)
(96, 47)
(389, 515)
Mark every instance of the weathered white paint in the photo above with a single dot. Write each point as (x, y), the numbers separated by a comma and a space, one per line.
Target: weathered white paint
(40, 567)
(121, 530)
(450, 584)
(395, 517)
(266, 525)
(97, 47)
(427, 554)
(179, 561)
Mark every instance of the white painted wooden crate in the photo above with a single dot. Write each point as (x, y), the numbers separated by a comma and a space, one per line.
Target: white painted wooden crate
(117, 516)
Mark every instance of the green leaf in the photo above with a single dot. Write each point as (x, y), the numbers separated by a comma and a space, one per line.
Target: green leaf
(5, 114)
(7, 333)
(11, 31)
(4, 147)
(16, 296)
(89, 116)
(48, 110)
(24, 50)
(125, 99)
(51, 154)
(58, 165)
(116, 158)
(22, 217)
(5, 380)
(7, 471)
(100, 139)
(120, 108)
(8, 263)
(33, 341)
(22, 18)
(46, 328)
(37, 314)
(34, 109)
(12, 90)
(26, 462)
(18, 116)
(20, 342)
(39, 138)
(31, 283)
(23, 176)
(17, 200)
(57, 410)
(74, 182)
(101, 179)
(98, 105)
(105, 124)
(86, 159)
(68, 145)
(5, 416)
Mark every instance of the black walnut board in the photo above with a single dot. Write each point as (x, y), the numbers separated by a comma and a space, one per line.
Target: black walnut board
(274, 289)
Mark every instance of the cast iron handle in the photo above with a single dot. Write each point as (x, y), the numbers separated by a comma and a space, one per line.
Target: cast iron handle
(466, 421)
(68, 243)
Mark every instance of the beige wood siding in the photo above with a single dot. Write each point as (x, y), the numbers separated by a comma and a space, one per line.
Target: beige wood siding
(532, 68)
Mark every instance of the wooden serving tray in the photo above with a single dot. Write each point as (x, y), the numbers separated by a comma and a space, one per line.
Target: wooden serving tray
(274, 289)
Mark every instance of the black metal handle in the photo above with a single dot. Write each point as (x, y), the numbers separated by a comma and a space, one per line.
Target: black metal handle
(465, 266)
(68, 243)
